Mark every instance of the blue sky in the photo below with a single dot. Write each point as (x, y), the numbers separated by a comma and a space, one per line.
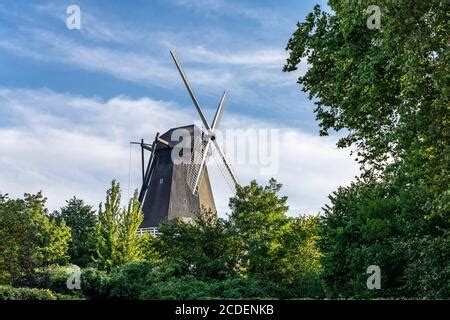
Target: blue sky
(71, 100)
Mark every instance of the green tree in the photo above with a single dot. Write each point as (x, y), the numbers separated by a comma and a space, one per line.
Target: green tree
(29, 238)
(81, 218)
(379, 223)
(203, 248)
(271, 244)
(388, 88)
(117, 240)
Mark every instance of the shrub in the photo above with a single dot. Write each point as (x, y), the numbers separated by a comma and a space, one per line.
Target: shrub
(11, 293)
(186, 287)
(54, 278)
(240, 288)
(129, 280)
(94, 283)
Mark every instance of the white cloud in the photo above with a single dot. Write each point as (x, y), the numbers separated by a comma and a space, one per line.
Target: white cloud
(100, 27)
(263, 57)
(233, 8)
(72, 145)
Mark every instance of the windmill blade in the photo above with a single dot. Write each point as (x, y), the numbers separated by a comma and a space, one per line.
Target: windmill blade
(225, 162)
(202, 166)
(199, 156)
(188, 87)
(219, 112)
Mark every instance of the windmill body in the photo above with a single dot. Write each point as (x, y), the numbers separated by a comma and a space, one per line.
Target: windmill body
(180, 190)
(168, 195)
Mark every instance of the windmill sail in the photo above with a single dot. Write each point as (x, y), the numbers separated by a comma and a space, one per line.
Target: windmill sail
(195, 169)
(172, 190)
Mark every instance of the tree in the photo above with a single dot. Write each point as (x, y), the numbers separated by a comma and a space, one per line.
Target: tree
(258, 216)
(378, 223)
(117, 240)
(388, 89)
(81, 218)
(272, 245)
(29, 238)
(203, 248)
(258, 243)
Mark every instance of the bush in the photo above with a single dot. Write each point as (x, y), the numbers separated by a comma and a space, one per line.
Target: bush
(186, 287)
(11, 293)
(309, 285)
(94, 283)
(54, 278)
(142, 280)
(129, 280)
(243, 288)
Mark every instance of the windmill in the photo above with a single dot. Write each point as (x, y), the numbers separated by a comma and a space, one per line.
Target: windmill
(178, 190)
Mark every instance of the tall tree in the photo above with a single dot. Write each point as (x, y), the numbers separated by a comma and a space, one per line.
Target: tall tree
(117, 238)
(272, 245)
(388, 88)
(81, 218)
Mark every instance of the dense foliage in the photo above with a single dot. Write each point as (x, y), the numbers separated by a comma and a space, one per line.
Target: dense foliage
(388, 88)
(29, 238)
(81, 219)
(117, 240)
(258, 245)
(258, 252)
(11, 293)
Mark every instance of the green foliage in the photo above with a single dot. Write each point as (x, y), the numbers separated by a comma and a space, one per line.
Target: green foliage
(54, 278)
(258, 243)
(215, 258)
(272, 245)
(184, 287)
(130, 280)
(117, 241)
(373, 223)
(11, 293)
(143, 281)
(94, 283)
(29, 238)
(203, 249)
(81, 219)
(388, 89)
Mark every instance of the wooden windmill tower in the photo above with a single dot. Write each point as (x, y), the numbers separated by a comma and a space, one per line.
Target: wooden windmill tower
(179, 190)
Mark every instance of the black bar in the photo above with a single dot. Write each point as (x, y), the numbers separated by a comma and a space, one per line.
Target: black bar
(225, 309)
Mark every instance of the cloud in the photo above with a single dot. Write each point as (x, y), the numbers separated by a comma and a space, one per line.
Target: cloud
(71, 145)
(262, 57)
(232, 8)
(247, 74)
(95, 27)
(214, 59)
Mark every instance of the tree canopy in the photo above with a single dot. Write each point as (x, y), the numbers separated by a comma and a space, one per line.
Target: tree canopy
(81, 219)
(388, 88)
(29, 238)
